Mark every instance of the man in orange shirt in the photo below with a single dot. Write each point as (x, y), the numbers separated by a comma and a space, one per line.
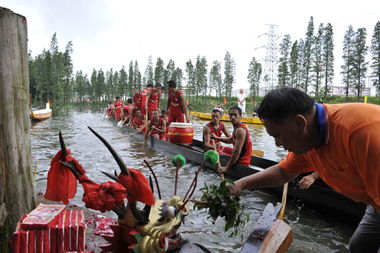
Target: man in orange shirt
(341, 142)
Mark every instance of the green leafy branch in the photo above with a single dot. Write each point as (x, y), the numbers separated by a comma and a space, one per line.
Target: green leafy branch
(221, 204)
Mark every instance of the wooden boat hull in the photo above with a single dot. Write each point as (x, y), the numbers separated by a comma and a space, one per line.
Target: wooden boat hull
(36, 115)
(318, 197)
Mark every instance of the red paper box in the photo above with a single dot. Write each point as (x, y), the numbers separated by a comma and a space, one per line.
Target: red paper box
(66, 233)
(42, 216)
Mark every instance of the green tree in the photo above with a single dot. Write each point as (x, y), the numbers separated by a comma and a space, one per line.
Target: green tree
(200, 73)
(215, 79)
(159, 71)
(317, 61)
(190, 77)
(294, 65)
(360, 62)
(80, 86)
(229, 75)
(307, 54)
(375, 50)
(347, 68)
(177, 76)
(100, 86)
(169, 71)
(148, 75)
(130, 83)
(328, 58)
(123, 82)
(93, 92)
(254, 75)
(284, 62)
(136, 78)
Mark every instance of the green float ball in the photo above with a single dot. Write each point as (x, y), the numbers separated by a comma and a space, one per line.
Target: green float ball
(211, 157)
(178, 160)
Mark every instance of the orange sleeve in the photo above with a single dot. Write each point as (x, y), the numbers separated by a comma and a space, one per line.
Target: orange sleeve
(295, 164)
(365, 152)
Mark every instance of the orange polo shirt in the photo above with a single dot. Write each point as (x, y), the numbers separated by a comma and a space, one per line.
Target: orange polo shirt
(349, 161)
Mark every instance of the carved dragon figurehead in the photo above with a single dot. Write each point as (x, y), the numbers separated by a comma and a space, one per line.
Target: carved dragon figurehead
(150, 229)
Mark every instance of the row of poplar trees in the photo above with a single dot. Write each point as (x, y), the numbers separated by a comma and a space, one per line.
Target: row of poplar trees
(307, 64)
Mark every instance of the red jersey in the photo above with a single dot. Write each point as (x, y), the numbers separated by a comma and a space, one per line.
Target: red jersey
(158, 124)
(246, 151)
(154, 98)
(218, 132)
(118, 108)
(137, 100)
(175, 105)
(137, 123)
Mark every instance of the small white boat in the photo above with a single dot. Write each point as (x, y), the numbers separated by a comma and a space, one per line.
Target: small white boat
(41, 114)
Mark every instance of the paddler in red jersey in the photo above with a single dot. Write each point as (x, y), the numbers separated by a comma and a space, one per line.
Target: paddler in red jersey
(156, 126)
(144, 102)
(138, 121)
(217, 128)
(241, 140)
(127, 112)
(164, 116)
(176, 104)
(118, 107)
(152, 99)
(136, 98)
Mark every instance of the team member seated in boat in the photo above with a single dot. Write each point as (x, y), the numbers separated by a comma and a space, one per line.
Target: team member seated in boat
(164, 116)
(136, 98)
(340, 141)
(152, 99)
(241, 140)
(176, 104)
(144, 101)
(118, 104)
(127, 112)
(138, 121)
(217, 128)
(156, 126)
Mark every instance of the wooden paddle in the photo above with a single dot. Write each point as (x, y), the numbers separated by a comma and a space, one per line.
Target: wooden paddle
(219, 165)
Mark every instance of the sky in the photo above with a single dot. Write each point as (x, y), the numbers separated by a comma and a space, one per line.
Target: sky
(109, 34)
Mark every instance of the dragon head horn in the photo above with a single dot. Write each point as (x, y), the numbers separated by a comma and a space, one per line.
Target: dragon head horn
(119, 161)
(63, 146)
(109, 175)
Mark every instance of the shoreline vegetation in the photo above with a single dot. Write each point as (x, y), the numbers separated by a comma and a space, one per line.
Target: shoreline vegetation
(305, 63)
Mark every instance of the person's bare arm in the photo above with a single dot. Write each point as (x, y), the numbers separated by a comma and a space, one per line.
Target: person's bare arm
(226, 133)
(269, 177)
(222, 139)
(206, 137)
(184, 108)
(239, 143)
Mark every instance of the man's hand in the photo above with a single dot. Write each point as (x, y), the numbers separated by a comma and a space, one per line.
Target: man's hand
(306, 181)
(237, 188)
(212, 136)
(222, 169)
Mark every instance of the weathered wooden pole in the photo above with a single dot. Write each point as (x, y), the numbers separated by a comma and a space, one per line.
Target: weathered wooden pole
(16, 186)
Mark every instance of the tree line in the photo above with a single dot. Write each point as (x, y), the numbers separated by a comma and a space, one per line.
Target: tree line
(306, 63)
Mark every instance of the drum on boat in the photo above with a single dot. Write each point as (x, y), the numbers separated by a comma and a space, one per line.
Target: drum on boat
(181, 133)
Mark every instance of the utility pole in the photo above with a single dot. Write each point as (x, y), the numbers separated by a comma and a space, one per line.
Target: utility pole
(271, 58)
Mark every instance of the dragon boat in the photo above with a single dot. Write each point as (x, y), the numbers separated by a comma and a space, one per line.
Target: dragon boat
(319, 196)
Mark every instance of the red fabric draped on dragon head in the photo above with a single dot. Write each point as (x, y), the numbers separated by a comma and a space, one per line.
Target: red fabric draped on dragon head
(138, 188)
(61, 176)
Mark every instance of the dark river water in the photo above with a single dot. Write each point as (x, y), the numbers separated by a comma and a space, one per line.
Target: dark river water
(313, 232)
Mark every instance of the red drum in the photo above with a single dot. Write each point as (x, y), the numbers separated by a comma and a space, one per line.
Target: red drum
(181, 133)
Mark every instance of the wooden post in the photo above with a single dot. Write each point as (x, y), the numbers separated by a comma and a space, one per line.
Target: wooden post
(16, 187)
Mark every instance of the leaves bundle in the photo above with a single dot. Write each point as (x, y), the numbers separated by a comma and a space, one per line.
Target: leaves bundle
(221, 204)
